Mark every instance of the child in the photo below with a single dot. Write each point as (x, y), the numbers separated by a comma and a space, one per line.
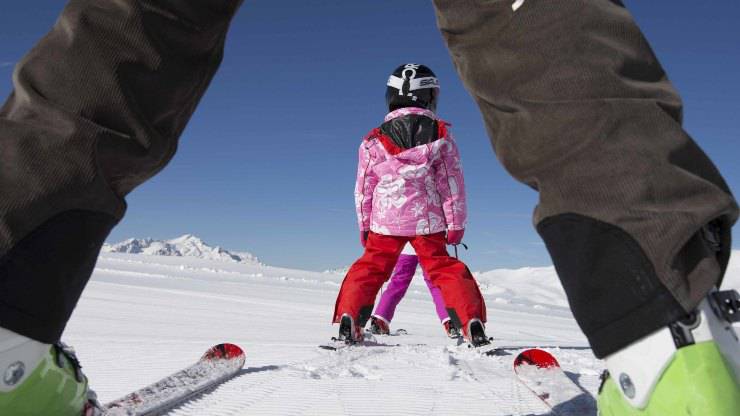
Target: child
(410, 189)
(403, 273)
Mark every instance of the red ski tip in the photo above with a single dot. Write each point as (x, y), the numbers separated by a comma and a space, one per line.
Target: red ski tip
(538, 357)
(227, 351)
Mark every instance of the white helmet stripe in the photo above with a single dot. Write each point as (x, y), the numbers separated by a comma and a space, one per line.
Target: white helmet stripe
(416, 83)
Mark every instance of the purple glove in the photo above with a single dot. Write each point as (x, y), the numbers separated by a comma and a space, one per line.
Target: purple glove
(363, 238)
(455, 237)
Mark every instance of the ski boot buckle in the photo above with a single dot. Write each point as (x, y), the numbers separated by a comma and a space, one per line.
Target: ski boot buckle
(728, 303)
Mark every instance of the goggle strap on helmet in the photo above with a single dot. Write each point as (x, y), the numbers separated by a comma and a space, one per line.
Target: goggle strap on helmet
(414, 83)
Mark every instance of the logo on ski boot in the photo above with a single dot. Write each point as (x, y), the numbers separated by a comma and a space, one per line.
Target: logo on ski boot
(627, 386)
(14, 373)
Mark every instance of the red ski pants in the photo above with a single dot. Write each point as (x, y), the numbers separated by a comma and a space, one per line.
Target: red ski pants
(367, 275)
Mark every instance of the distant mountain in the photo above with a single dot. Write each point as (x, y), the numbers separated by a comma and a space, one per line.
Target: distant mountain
(187, 245)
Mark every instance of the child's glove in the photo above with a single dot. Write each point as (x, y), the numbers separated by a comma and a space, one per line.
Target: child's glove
(455, 237)
(363, 237)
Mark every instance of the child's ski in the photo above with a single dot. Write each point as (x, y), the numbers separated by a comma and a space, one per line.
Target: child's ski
(217, 365)
(540, 372)
(335, 345)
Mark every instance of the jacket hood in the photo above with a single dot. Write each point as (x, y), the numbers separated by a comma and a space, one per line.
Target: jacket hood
(409, 127)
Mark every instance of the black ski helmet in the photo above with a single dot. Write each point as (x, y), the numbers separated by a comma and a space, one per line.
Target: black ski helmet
(412, 85)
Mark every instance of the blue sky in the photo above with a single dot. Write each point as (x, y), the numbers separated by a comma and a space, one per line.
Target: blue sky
(267, 163)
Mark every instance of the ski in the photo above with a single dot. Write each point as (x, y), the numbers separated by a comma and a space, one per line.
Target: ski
(368, 338)
(336, 344)
(540, 372)
(501, 350)
(491, 349)
(395, 333)
(218, 364)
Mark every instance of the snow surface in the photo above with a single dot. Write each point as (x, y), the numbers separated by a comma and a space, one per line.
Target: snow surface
(143, 317)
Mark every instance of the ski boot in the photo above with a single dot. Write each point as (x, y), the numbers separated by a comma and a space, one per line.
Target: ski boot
(691, 367)
(378, 326)
(475, 334)
(349, 332)
(450, 329)
(42, 379)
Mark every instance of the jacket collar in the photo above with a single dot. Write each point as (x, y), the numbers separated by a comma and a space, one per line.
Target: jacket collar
(409, 110)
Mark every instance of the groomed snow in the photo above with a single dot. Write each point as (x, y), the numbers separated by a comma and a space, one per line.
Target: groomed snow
(143, 317)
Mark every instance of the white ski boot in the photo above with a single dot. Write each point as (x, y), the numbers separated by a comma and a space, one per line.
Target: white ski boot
(691, 367)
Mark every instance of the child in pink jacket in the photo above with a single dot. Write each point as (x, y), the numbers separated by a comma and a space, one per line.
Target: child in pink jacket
(410, 189)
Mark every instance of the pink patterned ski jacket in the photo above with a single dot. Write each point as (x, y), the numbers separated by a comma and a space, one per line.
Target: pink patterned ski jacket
(410, 191)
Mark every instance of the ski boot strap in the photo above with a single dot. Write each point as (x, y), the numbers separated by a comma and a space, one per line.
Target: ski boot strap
(638, 367)
(62, 351)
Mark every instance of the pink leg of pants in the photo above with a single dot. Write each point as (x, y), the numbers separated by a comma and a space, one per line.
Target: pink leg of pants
(399, 284)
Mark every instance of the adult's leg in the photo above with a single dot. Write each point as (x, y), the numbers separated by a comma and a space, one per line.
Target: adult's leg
(635, 216)
(460, 291)
(366, 276)
(396, 290)
(439, 302)
(97, 108)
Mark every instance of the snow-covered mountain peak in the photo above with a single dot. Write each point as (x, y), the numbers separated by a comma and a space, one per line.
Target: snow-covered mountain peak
(187, 245)
(186, 239)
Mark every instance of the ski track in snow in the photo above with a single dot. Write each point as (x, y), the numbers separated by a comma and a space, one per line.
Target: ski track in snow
(144, 317)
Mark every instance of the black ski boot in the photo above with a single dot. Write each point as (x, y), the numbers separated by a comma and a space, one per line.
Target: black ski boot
(475, 334)
(349, 332)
